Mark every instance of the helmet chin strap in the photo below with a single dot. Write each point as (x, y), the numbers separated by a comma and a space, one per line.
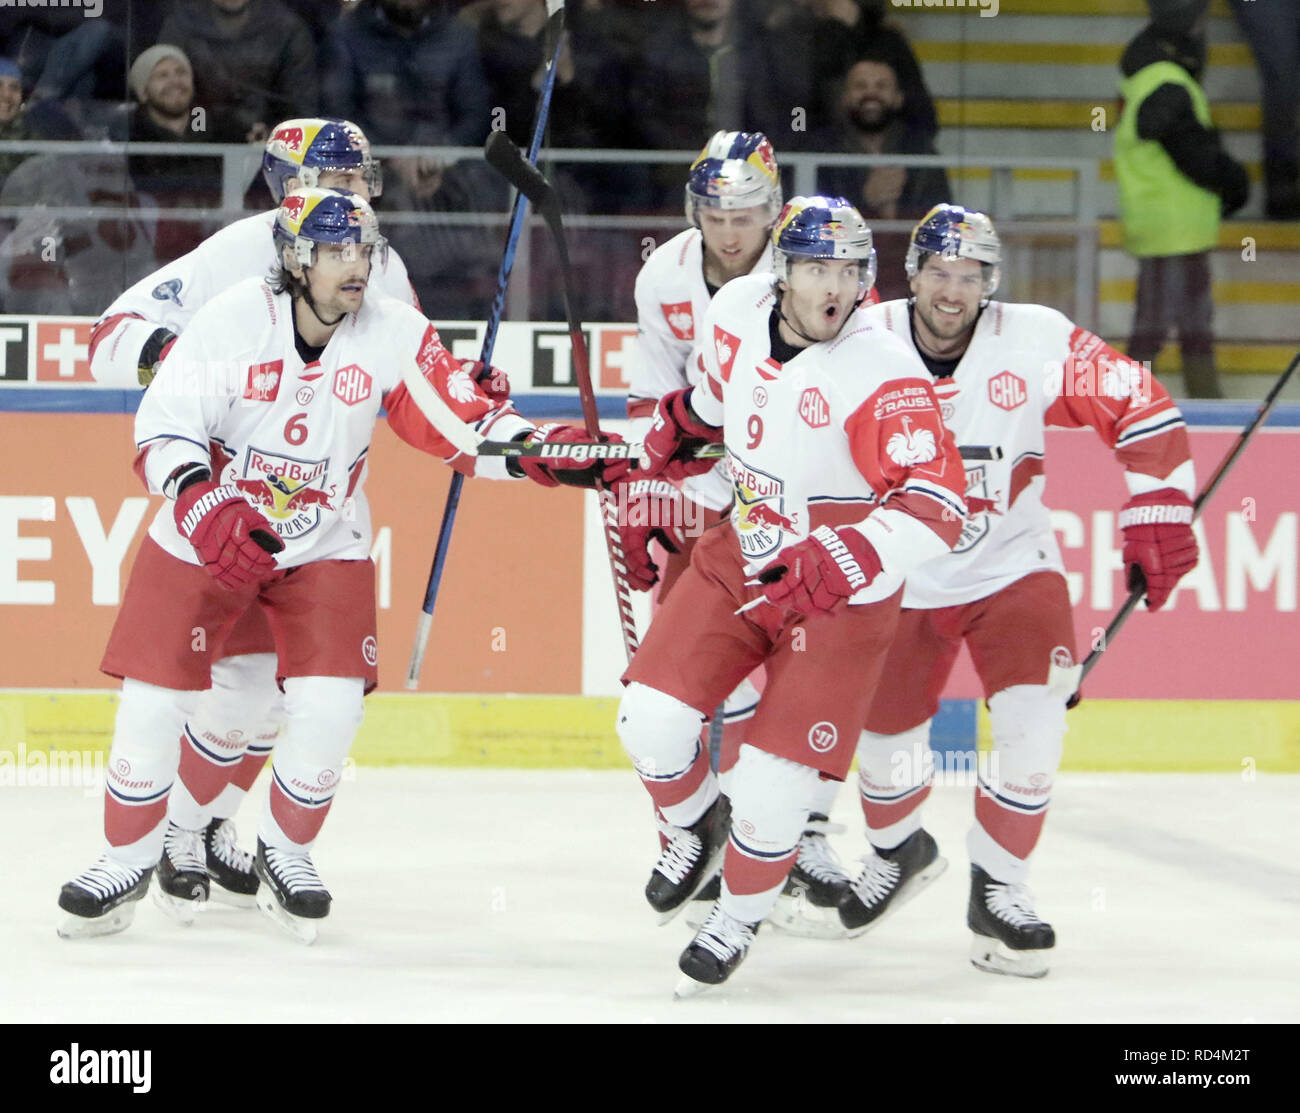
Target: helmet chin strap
(311, 304)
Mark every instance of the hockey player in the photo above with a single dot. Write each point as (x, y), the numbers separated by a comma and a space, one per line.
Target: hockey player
(844, 477)
(1002, 373)
(733, 197)
(234, 728)
(257, 436)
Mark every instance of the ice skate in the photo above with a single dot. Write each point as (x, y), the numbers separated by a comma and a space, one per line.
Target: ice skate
(234, 881)
(292, 893)
(809, 903)
(715, 952)
(102, 900)
(183, 886)
(689, 860)
(889, 879)
(1009, 936)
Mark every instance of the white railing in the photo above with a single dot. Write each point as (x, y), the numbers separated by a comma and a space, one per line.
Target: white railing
(1075, 210)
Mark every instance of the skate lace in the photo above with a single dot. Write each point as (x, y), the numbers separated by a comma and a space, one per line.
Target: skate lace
(879, 878)
(1012, 904)
(294, 871)
(185, 849)
(681, 853)
(107, 878)
(225, 846)
(818, 859)
(723, 935)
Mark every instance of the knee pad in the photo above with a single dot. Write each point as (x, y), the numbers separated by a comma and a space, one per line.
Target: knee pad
(146, 740)
(660, 733)
(892, 765)
(1028, 734)
(770, 800)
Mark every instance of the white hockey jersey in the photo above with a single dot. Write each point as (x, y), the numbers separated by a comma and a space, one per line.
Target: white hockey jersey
(671, 299)
(848, 432)
(1028, 367)
(171, 296)
(235, 394)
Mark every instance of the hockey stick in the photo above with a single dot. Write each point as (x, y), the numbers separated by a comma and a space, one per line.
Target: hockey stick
(1207, 492)
(508, 160)
(551, 50)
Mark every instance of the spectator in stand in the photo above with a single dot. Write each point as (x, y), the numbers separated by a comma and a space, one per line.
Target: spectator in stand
(587, 108)
(254, 60)
(1273, 31)
(1175, 183)
(407, 72)
(162, 82)
(872, 120)
(21, 120)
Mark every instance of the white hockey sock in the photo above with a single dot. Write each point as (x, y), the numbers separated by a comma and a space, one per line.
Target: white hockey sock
(324, 713)
(769, 810)
(894, 775)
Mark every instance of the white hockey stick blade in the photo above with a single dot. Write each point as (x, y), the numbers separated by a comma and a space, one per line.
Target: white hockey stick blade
(438, 413)
(303, 930)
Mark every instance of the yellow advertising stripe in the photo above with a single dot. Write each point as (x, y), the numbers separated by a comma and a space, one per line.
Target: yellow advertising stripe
(568, 732)
(1067, 114)
(1231, 292)
(1234, 359)
(1268, 235)
(1056, 54)
(1177, 736)
(1064, 7)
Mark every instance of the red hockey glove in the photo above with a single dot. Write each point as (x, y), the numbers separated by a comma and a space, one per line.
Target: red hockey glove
(821, 572)
(494, 382)
(674, 436)
(648, 509)
(553, 471)
(234, 542)
(1159, 546)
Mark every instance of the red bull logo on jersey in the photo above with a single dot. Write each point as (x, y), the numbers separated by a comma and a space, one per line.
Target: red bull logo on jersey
(814, 409)
(758, 512)
(980, 506)
(263, 382)
(289, 492)
(352, 385)
(1007, 391)
(680, 319)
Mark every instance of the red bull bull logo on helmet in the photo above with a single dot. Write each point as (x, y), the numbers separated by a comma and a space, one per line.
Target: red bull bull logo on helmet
(294, 208)
(765, 159)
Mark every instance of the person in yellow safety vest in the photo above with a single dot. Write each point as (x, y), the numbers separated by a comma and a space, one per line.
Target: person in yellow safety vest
(1176, 182)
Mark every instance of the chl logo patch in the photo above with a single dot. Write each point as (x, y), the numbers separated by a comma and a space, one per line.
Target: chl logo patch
(1007, 391)
(264, 381)
(822, 736)
(725, 346)
(680, 319)
(814, 409)
(351, 384)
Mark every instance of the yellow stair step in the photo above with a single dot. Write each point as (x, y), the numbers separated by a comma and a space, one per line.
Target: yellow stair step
(1221, 55)
(1059, 7)
(1268, 235)
(1001, 113)
(1230, 292)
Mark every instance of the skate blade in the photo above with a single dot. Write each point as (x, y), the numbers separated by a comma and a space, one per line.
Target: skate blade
(231, 899)
(799, 917)
(906, 893)
(695, 916)
(303, 930)
(995, 957)
(87, 927)
(182, 911)
(687, 987)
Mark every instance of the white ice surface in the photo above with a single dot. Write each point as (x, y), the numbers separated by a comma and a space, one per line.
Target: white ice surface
(475, 895)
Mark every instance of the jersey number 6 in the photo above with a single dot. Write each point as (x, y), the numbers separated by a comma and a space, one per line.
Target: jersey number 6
(295, 429)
